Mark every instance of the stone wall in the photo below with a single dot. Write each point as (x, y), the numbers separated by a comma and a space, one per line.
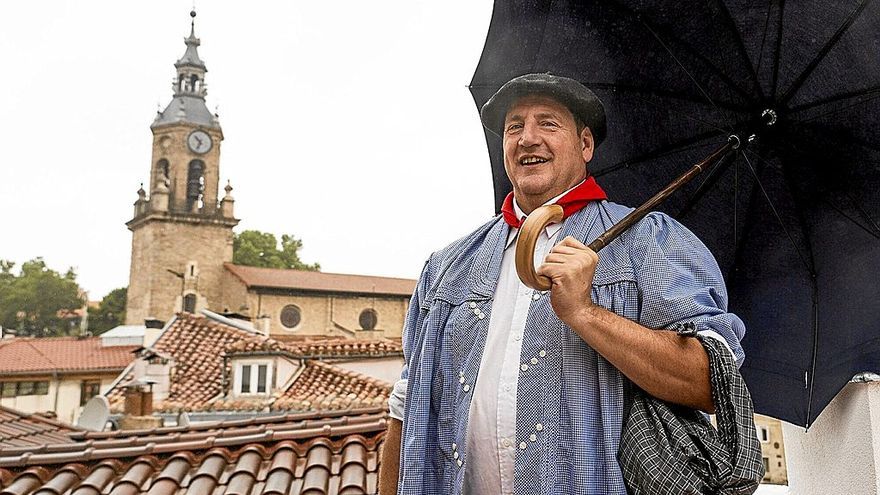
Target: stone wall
(197, 249)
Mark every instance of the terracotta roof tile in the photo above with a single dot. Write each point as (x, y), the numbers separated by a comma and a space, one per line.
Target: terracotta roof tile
(62, 354)
(273, 278)
(197, 346)
(319, 453)
(19, 429)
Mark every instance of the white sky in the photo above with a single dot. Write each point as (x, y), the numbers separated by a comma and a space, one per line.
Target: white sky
(347, 124)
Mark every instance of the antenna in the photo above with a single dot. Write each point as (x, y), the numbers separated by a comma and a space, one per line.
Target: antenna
(95, 414)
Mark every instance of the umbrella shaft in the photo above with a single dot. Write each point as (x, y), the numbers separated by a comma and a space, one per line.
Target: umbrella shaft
(640, 212)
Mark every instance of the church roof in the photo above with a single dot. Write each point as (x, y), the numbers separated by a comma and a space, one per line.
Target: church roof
(189, 109)
(275, 278)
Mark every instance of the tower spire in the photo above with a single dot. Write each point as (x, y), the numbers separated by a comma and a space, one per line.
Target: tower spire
(188, 86)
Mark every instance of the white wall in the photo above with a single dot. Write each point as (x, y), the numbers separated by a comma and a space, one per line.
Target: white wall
(386, 369)
(840, 452)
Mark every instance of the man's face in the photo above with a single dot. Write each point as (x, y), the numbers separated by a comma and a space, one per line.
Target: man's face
(544, 155)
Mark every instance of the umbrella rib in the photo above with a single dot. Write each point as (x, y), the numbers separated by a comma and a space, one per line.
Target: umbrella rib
(776, 59)
(681, 145)
(790, 92)
(774, 211)
(724, 77)
(764, 37)
(838, 110)
(834, 99)
(741, 47)
(875, 232)
(708, 181)
(692, 78)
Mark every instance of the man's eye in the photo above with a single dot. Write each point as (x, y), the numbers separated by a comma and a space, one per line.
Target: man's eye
(514, 127)
(549, 123)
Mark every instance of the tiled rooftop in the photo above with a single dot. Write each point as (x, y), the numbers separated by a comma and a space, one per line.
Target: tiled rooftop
(324, 348)
(197, 346)
(274, 278)
(22, 355)
(304, 454)
(19, 429)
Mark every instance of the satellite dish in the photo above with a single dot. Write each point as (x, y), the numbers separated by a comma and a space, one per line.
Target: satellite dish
(183, 419)
(95, 414)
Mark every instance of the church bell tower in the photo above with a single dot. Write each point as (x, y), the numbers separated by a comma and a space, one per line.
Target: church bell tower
(181, 232)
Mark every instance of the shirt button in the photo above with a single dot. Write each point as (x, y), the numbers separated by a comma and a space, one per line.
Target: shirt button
(505, 442)
(534, 361)
(533, 437)
(466, 387)
(524, 367)
(461, 380)
(536, 296)
(507, 388)
(459, 462)
(477, 311)
(517, 337)
(481, 315)
(472, 305)
(454, 446)
(543, 353)
(455, 455)
(522, 446)
(539, 427)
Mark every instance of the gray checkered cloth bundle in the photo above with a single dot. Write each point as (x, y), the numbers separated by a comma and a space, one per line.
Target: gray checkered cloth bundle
(668, 449)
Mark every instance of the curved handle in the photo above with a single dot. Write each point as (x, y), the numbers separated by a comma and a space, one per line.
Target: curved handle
(537, 221)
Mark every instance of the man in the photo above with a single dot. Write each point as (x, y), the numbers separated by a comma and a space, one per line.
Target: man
(510, 390)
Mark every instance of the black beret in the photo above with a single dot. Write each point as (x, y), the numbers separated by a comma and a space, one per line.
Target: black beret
(582, 102)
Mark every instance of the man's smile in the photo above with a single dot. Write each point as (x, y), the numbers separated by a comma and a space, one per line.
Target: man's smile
(532, 160)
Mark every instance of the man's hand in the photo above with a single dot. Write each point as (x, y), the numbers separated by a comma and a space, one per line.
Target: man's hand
(664, 364)
(570, 266)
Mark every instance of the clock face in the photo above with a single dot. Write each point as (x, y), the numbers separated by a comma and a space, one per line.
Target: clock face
(199, 142)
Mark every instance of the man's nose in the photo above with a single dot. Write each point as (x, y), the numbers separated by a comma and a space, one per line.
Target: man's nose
(529, 136)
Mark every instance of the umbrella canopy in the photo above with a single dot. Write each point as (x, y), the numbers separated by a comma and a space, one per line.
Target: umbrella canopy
(794, 216)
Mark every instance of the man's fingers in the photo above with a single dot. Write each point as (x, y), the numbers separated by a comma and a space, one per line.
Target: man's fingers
(571, 241)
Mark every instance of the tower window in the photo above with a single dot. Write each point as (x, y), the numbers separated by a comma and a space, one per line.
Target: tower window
(368, 319)
(189, 303)
(195, 180)
(194, 83)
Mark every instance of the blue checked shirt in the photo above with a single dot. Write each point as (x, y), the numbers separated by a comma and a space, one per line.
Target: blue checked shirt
(658, 274)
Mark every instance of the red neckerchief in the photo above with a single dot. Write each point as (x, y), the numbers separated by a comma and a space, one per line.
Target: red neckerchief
(571, 202)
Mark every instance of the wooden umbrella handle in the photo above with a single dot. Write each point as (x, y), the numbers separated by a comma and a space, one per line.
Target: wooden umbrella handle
(536, 222)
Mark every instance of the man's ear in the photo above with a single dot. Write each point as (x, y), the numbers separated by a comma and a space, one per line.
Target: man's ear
(587, 144)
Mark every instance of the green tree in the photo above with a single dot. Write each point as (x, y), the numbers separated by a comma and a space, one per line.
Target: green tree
(110, 313)
(31, 301)
(255, 248)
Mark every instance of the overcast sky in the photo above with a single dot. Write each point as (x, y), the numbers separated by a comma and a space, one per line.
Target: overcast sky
(347, 124)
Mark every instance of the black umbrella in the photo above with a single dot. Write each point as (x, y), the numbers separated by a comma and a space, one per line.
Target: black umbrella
(793, 214)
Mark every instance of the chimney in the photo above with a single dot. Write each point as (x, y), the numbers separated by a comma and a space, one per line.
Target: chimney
(138, 407)
(152, 331)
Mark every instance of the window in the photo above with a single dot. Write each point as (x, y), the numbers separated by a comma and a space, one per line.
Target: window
(261, 378)
(41, 388)
(290, 316)
(763, 434)
(25, 388)
(161, 171)
(189, 303)
(368, 319)
(88, 390)
(246, 379)
(8, 389)
(253, 378)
